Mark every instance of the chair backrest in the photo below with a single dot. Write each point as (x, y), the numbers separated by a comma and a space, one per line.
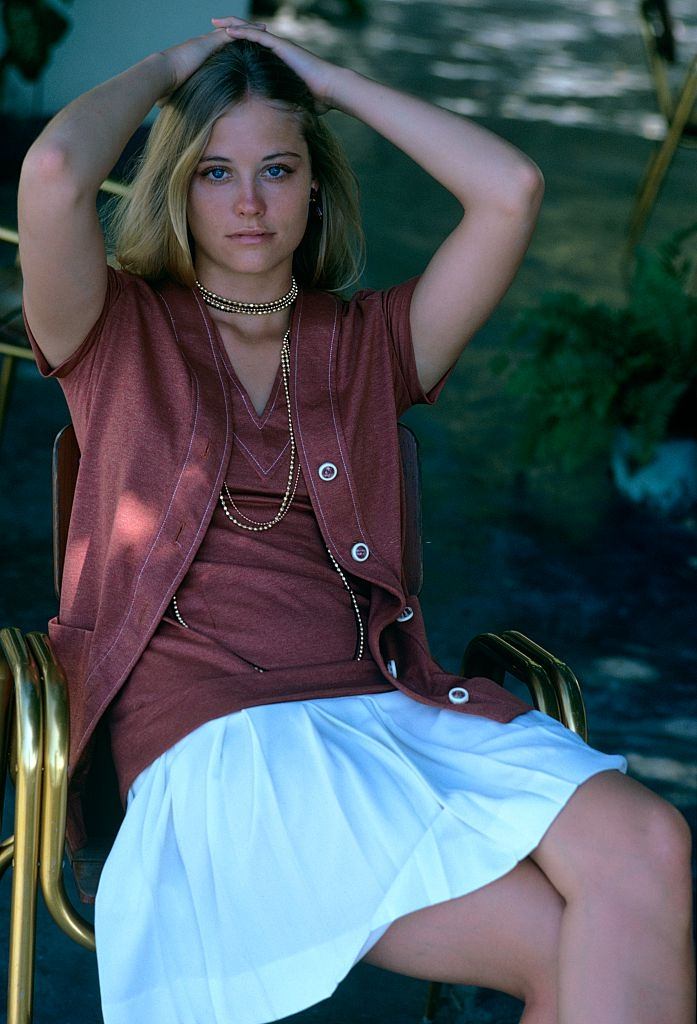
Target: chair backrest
(66, 462)
(13, 339)
(102, 805)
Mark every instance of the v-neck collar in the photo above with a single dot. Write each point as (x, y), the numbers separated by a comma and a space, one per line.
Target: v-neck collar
(259, 420)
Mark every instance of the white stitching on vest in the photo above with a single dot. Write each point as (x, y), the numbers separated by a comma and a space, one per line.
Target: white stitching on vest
(338, 439)
(297, 416)
(214, 498)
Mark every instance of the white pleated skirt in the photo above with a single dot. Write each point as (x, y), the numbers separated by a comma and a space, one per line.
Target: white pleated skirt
(263, 854)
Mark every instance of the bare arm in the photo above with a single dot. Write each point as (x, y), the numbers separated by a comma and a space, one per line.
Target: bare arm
(60, 238)
(500, 190)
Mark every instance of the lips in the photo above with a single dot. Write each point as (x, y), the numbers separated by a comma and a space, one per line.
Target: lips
(252, 233)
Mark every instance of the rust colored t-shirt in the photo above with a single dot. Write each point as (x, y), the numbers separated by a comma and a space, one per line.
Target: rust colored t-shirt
(270, 598)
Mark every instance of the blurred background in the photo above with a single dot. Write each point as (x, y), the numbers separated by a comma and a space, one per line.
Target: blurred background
(560, 463)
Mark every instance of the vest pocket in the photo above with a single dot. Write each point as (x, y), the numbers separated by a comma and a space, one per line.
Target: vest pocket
(71, 646)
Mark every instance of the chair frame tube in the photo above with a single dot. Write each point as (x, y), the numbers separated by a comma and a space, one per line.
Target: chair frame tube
(29, 724)
(492, 656)
(55, 794)
(566, 684)
(7, 846)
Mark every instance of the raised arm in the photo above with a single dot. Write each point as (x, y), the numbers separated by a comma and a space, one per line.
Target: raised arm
(500, 190)
(60, 238)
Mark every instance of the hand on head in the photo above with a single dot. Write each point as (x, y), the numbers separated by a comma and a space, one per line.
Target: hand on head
(317, 74)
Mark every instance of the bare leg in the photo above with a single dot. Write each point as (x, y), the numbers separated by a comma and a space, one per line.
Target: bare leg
(503, 936)
(620, 857)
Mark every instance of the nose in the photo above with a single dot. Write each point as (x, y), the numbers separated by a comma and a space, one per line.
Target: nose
(248, 201)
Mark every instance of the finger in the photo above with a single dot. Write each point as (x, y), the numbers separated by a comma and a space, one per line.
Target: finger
(258, 25)
(253, 31)
(223, 22)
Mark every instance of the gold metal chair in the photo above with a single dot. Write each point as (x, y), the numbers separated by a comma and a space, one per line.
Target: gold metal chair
(676, 105)
(23, 717)
(41, 720)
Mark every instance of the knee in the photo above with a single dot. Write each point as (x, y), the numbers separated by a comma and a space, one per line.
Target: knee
(648, 857)
(669, 849)
(672, 838)
(660, 843)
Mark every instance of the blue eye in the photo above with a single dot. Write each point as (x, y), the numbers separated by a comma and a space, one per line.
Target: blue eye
(277, 171)
(215, 173)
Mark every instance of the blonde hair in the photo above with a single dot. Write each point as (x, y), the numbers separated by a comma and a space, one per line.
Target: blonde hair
(149, 226)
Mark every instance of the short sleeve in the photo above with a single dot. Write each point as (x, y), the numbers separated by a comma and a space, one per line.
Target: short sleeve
(394, 307)
(76, 363)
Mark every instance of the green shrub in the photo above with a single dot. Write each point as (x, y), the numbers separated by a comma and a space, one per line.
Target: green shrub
(587, 368)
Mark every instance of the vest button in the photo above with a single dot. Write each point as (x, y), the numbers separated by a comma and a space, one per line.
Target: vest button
(360, 551)
(406, 613)
(392, 668)
(458, 695)
(327, 471)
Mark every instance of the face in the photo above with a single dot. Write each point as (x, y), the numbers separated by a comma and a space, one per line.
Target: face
(249, 196)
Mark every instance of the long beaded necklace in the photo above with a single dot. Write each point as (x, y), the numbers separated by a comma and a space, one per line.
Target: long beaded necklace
(262, 309)
(287, 499)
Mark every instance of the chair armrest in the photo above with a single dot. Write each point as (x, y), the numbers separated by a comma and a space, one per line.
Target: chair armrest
(55, 792)
(565, 682)
(553, 686)
(492, 656)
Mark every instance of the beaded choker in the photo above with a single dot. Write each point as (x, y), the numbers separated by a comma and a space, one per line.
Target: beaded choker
(250, 308)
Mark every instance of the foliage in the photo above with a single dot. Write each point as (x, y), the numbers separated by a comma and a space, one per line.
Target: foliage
(586, 368)
(32, 28)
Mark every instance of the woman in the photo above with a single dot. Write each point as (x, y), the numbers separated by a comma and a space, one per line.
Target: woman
(304, 785)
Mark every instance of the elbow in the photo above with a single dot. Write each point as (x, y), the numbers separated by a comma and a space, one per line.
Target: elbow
(47, 170)
(46, 161)
(533, 183)
(516, 193)
(52, 165)
(526, 192)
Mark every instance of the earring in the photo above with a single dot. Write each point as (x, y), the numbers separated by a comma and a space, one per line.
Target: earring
(316, 204)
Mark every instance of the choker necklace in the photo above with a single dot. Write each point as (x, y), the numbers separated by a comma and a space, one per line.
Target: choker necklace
(251, 308)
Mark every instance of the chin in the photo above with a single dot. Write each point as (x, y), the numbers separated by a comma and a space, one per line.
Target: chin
(254, 265)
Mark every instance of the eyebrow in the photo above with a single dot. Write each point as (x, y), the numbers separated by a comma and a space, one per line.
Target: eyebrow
(271, 156)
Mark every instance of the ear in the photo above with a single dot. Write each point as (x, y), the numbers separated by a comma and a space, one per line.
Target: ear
(314, 184)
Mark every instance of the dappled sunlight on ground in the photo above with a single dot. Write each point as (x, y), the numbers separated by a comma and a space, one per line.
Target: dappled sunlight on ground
(569, 62)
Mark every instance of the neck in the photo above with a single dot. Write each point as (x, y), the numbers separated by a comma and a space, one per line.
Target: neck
(253, 329)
